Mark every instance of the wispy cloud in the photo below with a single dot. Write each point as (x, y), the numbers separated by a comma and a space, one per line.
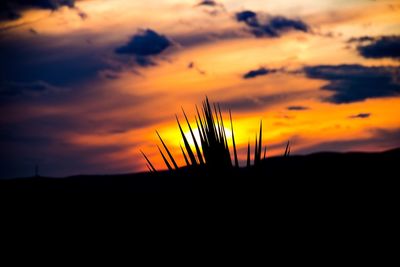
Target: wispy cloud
(258, 72)
(360, 116)
(297, 108)
(273, 26)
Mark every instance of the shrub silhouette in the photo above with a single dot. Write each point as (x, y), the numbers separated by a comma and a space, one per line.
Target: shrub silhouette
(214, 153)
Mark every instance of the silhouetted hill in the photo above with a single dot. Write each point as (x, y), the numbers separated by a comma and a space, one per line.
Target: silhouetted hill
(320, 172)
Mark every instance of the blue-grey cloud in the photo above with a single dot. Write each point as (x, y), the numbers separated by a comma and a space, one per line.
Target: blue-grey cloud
(380, 47)
(11, 9)
(360, 116)
(247, 16)
(273, 26)
(143, 45)
(297, 108)
(258, 72)
(352, 83)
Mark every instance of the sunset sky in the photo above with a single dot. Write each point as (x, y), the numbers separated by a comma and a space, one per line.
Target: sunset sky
(85, 84)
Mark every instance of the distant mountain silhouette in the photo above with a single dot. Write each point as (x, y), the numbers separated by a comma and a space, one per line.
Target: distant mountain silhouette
(322, 173)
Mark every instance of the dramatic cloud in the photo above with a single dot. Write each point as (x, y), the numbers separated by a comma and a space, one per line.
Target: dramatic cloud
(259, 72)
(297, 108)
(381, 47)
(352, 83)
(360, 116)
(11, 9)
(143, 45)
(273, 26)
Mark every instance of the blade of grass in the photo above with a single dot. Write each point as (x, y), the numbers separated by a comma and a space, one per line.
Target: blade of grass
(199, 156)
(223, 130)
(233, 141)
(165, 159)
(187, 146)
(255, 151)
(218, 126)
(286, 150)
(148, 167)
(184, 156)
(248, 155)
(169, 153)
(260, 143)
(148, 161)
(265, 152)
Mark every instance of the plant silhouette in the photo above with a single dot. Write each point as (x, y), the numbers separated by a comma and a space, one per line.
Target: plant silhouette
(213, 152)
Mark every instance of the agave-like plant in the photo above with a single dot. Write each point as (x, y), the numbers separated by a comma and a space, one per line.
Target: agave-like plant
(214, 153)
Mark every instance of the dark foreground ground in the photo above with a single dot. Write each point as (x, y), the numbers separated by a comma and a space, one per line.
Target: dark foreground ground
(334, 173)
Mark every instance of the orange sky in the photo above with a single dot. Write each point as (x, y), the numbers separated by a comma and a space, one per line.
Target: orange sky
(221, 51)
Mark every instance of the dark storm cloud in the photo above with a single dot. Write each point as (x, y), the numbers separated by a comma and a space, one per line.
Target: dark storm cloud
(258, 72)
(273, 26)
(360, 116)
(143, 45)
(352, 83)
(11, 9)
(297, 108)
(381, 47)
